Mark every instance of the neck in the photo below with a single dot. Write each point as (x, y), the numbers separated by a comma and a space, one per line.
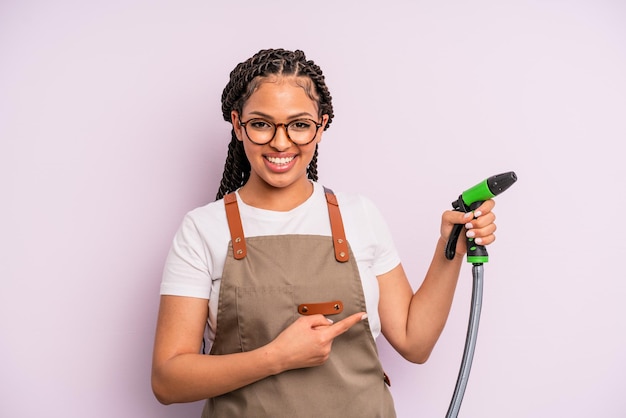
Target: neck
(264, 196)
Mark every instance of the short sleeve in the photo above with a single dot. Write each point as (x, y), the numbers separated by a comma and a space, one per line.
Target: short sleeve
(186, 271)
(386, 256)
(368, 234)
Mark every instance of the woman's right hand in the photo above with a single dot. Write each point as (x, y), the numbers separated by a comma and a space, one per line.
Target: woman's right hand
(308, 341)
(180, 373)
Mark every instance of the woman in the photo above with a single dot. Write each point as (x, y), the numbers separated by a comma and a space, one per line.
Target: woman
(273, 295)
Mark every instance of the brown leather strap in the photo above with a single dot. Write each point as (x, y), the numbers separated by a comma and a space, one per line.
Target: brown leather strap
(336, 225)
(326, 308)
(237, 237)
(234, 224)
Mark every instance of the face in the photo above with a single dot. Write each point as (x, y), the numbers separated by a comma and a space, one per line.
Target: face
(279, 164)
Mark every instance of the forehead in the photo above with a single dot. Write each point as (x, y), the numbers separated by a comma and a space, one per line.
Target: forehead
(284, 95)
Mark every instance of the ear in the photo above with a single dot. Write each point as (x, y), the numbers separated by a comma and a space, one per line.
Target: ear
(324, 121)
(234, 119)
(320, 132)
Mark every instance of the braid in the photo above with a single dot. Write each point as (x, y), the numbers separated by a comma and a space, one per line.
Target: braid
(243, 80)
(236, 165)
(312, 169)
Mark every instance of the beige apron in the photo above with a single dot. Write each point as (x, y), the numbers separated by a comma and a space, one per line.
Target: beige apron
(268, 282)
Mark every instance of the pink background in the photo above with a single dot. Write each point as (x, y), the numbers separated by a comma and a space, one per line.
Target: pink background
(110, 131)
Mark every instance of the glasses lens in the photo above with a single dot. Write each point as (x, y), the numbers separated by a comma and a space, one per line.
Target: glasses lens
(260, 131)
(302, 131)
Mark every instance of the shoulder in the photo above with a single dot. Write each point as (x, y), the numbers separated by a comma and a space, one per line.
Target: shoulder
(360, 214)
(206, 222)
(368, 233)
(211, 212)
(357, 204)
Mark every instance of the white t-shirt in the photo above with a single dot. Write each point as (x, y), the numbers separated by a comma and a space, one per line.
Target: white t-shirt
(196, 259)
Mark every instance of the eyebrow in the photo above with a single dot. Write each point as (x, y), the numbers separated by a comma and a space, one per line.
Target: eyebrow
(291, 117)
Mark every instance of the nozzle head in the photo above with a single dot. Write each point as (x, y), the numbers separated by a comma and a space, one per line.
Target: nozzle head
(500, 182)
(489, 188)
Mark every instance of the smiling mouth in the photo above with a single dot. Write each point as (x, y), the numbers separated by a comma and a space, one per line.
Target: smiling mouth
(280, 160)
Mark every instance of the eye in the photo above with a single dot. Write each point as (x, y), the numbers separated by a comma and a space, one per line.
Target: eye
(260, 125)
(301, 125)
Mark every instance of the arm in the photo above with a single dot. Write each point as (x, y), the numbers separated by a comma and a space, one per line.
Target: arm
(413, 322)
(181, 374)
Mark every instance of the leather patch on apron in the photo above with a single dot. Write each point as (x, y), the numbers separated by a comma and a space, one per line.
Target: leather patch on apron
(328, 308)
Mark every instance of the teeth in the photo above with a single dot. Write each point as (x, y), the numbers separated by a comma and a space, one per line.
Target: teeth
(282, 160)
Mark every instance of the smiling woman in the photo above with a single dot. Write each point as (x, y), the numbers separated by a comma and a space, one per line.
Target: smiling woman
(279, 158)
(273, 295)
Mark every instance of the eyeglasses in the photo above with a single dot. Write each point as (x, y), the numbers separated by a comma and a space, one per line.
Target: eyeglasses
(300, 131)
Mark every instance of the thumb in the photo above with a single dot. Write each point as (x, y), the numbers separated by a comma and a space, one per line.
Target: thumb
(316, 321)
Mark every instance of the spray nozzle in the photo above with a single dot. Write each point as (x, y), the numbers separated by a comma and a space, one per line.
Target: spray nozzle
(470, 200)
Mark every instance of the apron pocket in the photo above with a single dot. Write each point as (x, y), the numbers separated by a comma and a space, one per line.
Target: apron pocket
(263, 313)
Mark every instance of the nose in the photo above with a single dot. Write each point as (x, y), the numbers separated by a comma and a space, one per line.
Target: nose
(280, 141)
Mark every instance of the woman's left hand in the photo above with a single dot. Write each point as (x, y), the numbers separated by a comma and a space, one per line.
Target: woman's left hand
(479, 225)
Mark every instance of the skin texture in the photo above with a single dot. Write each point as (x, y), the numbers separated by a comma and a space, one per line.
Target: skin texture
(411, 321)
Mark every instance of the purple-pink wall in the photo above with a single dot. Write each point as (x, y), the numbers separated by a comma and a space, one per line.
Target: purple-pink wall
(110, 130)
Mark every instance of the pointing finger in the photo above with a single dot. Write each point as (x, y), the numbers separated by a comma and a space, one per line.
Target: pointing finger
(345, 324)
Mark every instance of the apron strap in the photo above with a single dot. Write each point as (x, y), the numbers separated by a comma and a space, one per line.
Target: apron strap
(336, 225)
(340, 244)
(234, 225)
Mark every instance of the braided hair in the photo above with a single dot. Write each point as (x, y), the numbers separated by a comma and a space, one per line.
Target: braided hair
(243, 81)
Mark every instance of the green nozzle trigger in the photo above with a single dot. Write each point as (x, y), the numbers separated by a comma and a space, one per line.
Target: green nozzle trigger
(469, 201)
